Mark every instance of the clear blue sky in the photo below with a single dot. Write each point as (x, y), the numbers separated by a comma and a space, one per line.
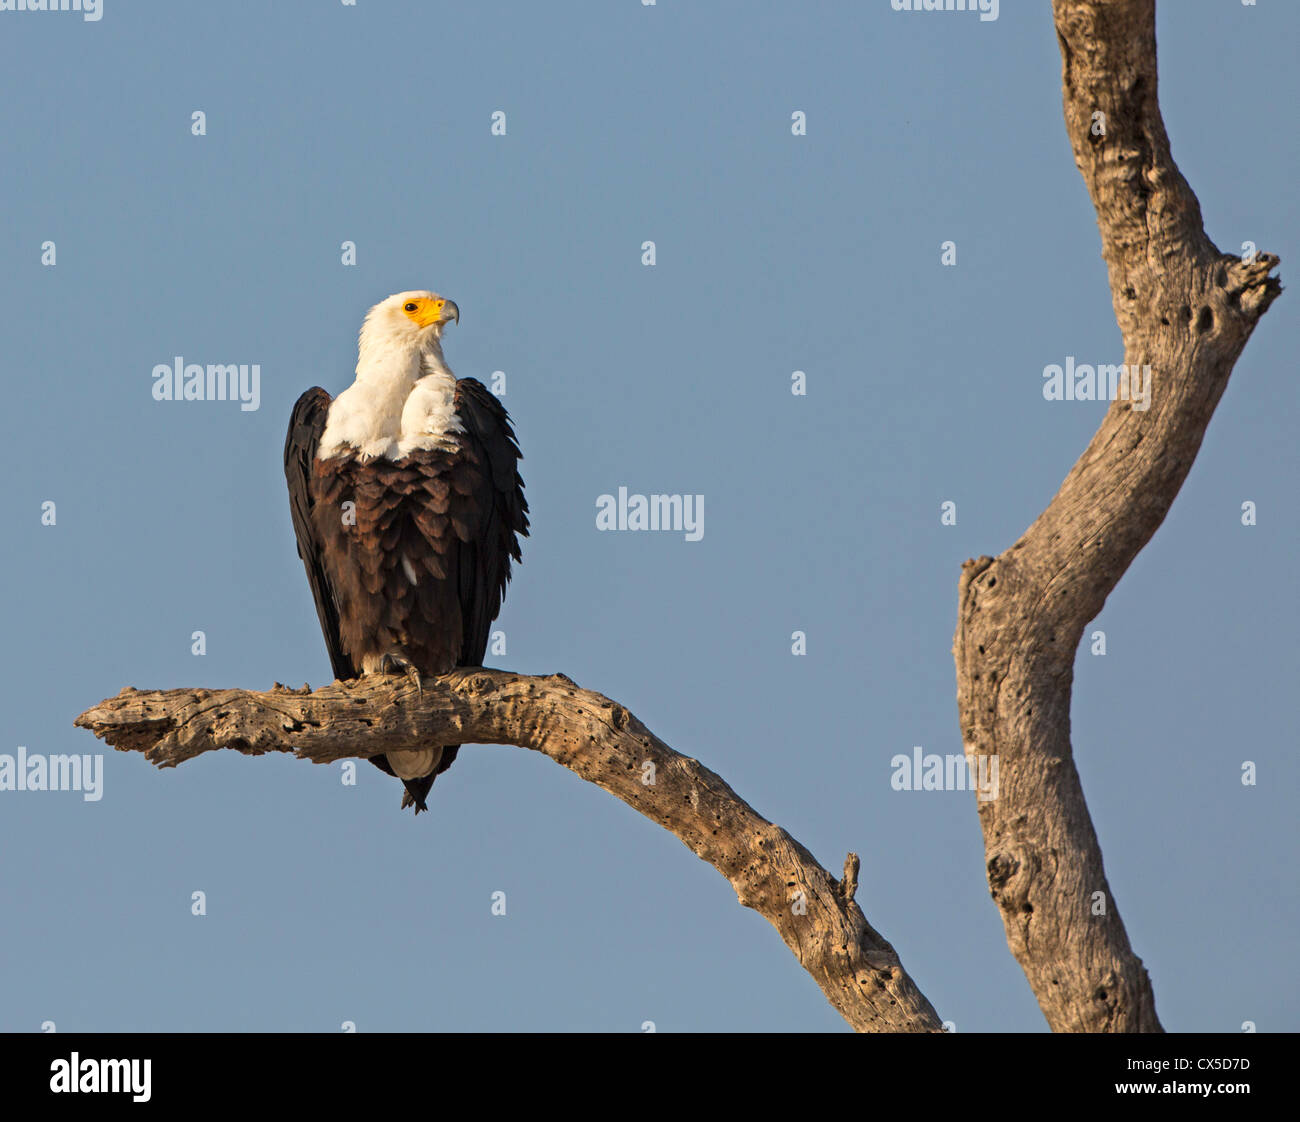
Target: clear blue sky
(775, 253)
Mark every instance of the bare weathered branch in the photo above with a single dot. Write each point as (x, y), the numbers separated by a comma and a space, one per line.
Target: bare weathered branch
(1186, 311)
(598, 739)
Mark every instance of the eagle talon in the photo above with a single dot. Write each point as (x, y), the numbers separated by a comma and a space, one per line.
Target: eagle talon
(391, 663)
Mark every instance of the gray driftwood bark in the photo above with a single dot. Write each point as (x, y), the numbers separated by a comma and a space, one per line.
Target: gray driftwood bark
(598, 739)
(1187, 310)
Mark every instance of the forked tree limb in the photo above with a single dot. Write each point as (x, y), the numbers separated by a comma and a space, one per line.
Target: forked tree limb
(590, 735)
(1187, 310)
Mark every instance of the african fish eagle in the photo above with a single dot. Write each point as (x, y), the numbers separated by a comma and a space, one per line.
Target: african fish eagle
(407, 505)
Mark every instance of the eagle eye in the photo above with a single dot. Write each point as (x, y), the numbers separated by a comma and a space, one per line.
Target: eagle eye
(409, 307)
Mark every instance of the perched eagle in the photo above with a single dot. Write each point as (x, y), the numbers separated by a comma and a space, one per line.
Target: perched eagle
(407, 505)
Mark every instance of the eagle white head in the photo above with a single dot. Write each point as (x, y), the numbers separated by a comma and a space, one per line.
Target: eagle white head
(407, 320)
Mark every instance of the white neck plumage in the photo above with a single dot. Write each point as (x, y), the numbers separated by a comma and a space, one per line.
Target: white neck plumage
(403, 400)
(383, 360)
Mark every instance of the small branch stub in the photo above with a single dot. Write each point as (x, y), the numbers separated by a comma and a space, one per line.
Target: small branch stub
(849, 883)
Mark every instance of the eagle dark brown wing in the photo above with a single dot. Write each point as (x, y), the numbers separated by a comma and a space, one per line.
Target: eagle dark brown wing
(305, 428)
(484, 568)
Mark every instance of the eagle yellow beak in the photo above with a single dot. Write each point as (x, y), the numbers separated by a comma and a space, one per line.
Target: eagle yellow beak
(432, 312)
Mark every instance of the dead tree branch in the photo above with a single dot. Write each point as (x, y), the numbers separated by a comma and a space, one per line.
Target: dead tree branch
(1186, 310)
(590, 735)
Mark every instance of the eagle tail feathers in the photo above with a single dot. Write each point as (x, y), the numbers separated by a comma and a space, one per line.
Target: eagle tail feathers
(416, 790)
